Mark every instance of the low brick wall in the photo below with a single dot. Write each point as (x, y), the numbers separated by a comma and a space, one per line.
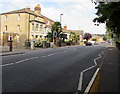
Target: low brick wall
(4, 48)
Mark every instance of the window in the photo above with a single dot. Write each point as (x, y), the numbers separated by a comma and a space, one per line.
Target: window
(35, 17)
(32, 27)
(37, 26)
(10, 38)
(18, 16)
(41, 26)
(5, 27)
(36, 36)
(40, 36)
(6, 17)
(47, 30)
(18, 27)
(48, 22)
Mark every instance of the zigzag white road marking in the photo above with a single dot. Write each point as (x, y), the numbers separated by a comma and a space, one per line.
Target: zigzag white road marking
(81, 74)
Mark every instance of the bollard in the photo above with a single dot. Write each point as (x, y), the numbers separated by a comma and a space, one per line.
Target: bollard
(10, 45)
(32, 45)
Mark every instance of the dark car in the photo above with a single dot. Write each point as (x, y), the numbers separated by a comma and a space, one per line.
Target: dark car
(88, 44)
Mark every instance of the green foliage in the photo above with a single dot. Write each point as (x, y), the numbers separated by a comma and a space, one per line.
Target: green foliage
(74, 36)
(63, 37)
(105, 38)
(85, 42)
(69, 42)
(110, 14)
(94, 40)
(38, 44)
(50, 36)
(56, 27)
(87, 36)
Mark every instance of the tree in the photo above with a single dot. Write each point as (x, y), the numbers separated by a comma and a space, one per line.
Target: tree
(105, 38)
(94, 39)
(50, 36)
(87, 36)
(63, 37)
(109, 14)
(74, 36)
(56, 31)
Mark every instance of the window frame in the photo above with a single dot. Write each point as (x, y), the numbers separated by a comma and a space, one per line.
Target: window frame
(37, 27)
(33, 28)
(18, 27)
(6, 28)
(6, 17)
(18, 16)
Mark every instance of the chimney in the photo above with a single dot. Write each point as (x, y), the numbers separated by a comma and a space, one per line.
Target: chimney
(37, 9)
(65, 28)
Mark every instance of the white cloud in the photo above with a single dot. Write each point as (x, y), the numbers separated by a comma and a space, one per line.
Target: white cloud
(77, 13)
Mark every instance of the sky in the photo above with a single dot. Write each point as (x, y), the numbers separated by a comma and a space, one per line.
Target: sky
(77, 14)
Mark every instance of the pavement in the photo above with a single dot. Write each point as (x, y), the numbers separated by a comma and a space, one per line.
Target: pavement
(18, 51)
(109, 81)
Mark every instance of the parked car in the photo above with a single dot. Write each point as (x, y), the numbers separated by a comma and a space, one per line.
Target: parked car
(88, 44)
(95, 43)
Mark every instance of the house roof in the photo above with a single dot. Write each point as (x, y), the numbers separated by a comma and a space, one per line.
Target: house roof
(80, 32)
(47, 18)
(26, 10)
(37, 21)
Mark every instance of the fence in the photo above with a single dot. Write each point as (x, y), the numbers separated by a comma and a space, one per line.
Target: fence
(4, 48)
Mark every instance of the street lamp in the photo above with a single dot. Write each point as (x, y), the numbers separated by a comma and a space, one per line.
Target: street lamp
(60, 21)
(60, 18)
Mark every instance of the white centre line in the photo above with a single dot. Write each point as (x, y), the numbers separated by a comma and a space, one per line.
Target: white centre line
(21, 61)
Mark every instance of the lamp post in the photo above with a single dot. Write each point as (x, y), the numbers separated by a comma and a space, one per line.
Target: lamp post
(60, 26)
(61, 19)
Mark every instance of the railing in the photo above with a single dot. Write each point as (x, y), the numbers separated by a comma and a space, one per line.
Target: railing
(4, 48)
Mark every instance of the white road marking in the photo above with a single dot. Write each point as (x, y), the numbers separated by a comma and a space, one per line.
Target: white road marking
(81, 74)
(7, 64)
(80, 81)
(91, 81)
(21, 61)
(18, 62)
(34, 57)
(51, 54)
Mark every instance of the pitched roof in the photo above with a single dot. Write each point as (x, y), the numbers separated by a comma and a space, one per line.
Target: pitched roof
(47, 18)
(26, 10)
(76, 31)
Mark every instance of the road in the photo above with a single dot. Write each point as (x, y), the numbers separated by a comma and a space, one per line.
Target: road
(49, 70)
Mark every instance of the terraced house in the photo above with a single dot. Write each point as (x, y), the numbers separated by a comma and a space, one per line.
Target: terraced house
(24, 25)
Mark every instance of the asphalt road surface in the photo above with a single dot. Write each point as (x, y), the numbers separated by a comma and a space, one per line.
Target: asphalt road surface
(49, 70)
